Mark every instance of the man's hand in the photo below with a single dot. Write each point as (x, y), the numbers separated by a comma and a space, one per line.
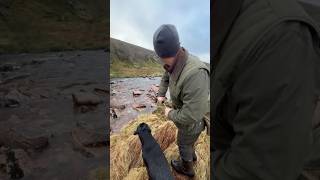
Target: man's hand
(166, 111)
(161, 99)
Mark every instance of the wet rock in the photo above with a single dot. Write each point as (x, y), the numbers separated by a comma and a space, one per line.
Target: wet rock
(9, 103)
(84, 109)
(102, 91)
(153, 92)
(153, 97)
(9, 67)
(23, 159)
(10, 162)
(15, 77)
(87, 99)
(136, 93)
(33, 62)
(38, 144)
(83, 151)
(112, 82)
(154, 88)
(113, 113)
(76, 84)
(13, 167)
(14, 94)
(45, 96)
(120, 107)
(25, 92)
(84, 139)
(2, 160)
(138, 107)
(12, 99)
(13, 139)
(113, 93)
(89, 138)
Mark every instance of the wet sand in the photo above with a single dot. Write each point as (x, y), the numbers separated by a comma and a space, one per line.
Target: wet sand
(43, 85)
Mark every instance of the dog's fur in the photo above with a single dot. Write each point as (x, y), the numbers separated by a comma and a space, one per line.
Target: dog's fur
(153, 157)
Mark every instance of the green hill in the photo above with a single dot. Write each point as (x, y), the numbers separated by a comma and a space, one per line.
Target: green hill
(52, 25)
(128, 60)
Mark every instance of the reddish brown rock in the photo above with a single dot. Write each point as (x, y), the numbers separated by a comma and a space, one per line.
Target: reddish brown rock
(138, 107)
(81, 98)
(136, 93)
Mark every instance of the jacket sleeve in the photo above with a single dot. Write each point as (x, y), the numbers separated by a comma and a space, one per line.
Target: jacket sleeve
(194, 94)
(164, 84)
(274, 96)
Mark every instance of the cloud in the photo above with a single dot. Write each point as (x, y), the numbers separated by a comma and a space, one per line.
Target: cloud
(135, 22)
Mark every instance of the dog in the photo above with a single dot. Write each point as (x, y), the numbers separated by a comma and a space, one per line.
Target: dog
(153, 157)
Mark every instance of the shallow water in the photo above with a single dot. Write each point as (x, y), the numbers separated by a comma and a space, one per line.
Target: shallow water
(122, 94)
(45, 83)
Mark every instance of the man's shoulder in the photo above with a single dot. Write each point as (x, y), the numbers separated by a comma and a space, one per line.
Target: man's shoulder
(266, 13)
(194, 64)
(258, 18)
(194, 61)
(193, 67)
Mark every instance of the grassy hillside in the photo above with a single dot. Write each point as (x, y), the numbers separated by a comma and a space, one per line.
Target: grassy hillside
(47, 25)
(128, 60)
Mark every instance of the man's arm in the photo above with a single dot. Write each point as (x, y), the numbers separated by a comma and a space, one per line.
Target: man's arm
(274, 96)
(195, 93)
(164, 84)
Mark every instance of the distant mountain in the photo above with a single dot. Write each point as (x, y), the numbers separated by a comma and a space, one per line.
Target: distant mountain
(52, 25)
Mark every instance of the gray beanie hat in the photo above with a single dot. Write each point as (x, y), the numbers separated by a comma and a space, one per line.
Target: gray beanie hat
(166, 41)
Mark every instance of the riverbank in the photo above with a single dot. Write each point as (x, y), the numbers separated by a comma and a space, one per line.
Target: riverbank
(131, 97)
(119, 69)
(43, 95)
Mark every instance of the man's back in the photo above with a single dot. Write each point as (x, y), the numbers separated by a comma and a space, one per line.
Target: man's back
(264, 92)
(312, 7)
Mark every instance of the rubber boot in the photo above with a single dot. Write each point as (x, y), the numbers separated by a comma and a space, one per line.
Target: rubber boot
(194, 156)
(183, 167)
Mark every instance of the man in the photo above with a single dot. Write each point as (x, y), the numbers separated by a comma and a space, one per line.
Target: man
(265, 91)
(188, 81)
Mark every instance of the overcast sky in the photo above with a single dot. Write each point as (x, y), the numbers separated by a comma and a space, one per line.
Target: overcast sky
(135, 21)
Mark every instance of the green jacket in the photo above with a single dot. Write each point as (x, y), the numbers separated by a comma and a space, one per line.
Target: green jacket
(189, 92)
(264, 89)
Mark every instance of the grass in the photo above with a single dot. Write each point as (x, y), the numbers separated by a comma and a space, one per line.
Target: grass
(44, 25)
(125, 148)
(119, 69)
